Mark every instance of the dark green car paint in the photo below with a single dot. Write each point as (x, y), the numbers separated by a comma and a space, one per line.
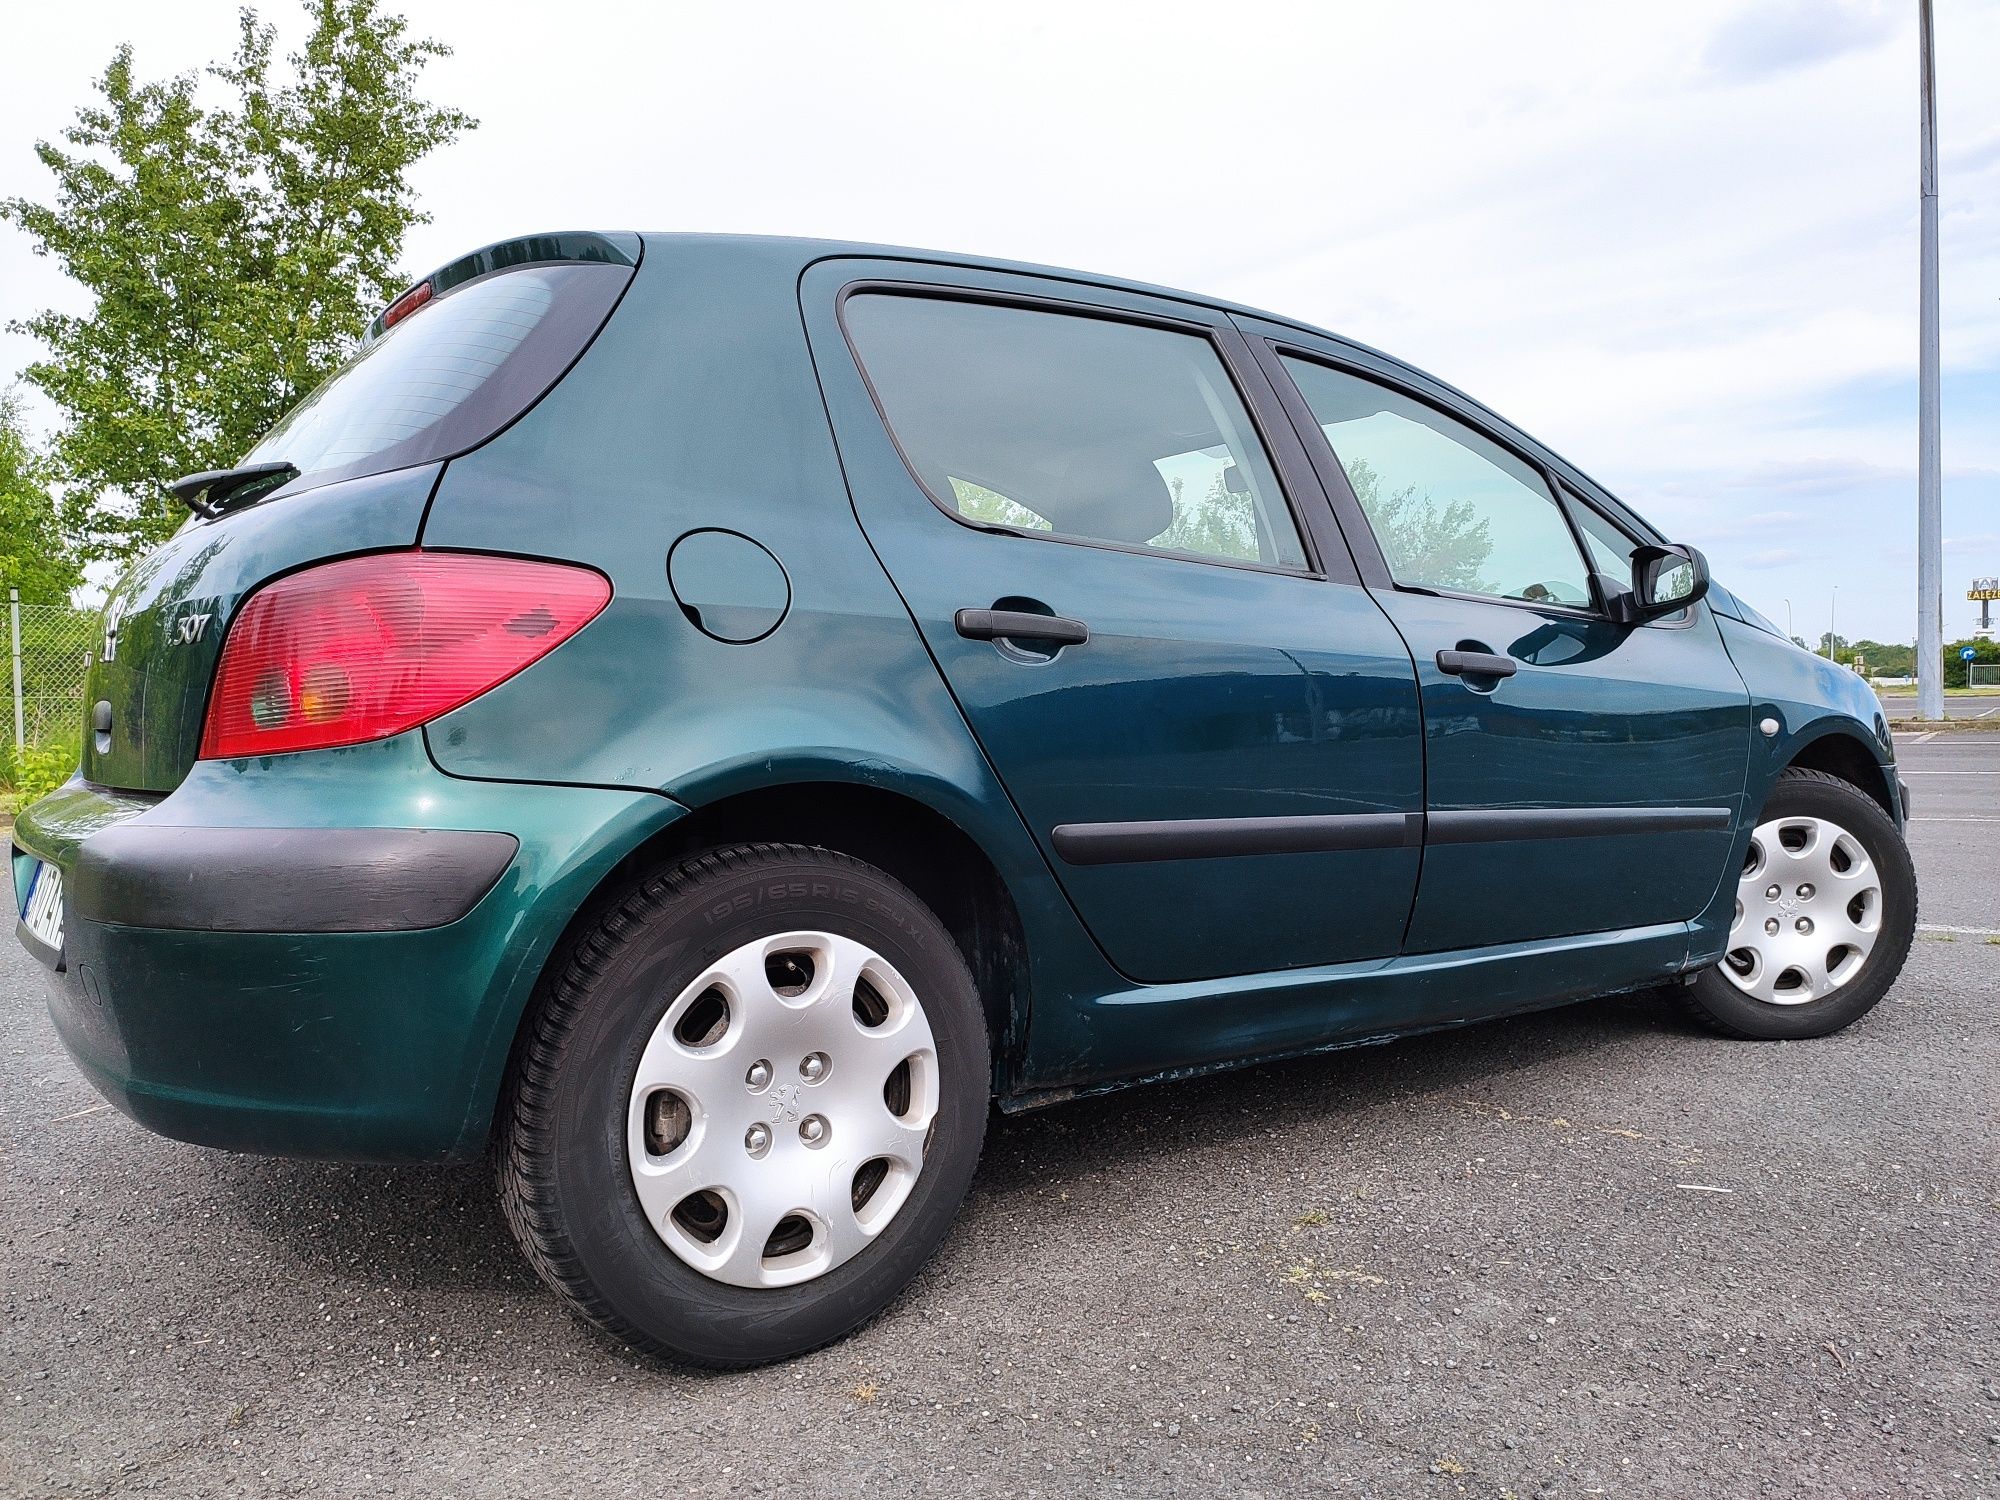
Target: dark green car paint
(1811, 707)
(1600, 716)
(382, 1045)
(1205, 691)
(720, 398)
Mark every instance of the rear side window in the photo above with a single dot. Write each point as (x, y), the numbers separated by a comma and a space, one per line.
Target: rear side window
(448, 376)
(1450, 507)
(1075, 426)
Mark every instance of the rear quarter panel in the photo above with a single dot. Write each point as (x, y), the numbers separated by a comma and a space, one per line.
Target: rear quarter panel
(699, 407)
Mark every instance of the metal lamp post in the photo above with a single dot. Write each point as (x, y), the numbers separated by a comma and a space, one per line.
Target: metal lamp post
(1930, 513)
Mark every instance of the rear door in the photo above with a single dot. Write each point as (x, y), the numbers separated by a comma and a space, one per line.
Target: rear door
(1582, 775)
(1210, 727)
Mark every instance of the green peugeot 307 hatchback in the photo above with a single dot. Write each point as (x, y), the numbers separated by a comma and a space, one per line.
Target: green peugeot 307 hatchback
(699, 719)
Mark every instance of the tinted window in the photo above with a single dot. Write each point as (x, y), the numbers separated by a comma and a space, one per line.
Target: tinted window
(1077, 426)
(448, 376)
(1451, 508)
(1610, 548)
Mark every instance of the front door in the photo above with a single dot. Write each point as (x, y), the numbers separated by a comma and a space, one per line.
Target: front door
(1582, 776)
(1211, 731)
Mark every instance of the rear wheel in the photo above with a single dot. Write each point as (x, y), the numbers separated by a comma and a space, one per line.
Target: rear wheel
(1826, 906)
(748, 1107)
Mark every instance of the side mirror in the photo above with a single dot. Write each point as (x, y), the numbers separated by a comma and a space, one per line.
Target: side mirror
(1664, 580)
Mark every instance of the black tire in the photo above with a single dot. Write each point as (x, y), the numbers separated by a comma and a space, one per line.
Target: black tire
(1716, 1000)
(561, 1150)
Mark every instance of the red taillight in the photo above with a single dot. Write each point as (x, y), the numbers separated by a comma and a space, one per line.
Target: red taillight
(406, 304)
(370, 646)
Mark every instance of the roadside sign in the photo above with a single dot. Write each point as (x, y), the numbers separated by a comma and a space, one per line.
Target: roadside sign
(1966, 653)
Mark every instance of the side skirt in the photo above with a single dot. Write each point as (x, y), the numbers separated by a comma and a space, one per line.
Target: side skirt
(1148, 1033)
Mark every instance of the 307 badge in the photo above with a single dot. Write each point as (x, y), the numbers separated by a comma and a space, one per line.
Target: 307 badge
(189, 628)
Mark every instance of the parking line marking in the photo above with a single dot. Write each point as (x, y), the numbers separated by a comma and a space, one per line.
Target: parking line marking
(1919, 739)
(1955, 820)
(1917, 771)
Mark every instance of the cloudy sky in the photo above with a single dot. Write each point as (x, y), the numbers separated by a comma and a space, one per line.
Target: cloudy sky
(1677, 242)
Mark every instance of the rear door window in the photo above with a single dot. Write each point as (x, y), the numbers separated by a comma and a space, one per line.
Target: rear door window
(449, 375)
(1080, 427)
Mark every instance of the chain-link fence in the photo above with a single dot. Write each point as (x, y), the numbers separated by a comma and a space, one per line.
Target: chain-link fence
(50, 648)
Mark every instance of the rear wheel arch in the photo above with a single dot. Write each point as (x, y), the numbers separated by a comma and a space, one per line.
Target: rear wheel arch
(942, 864)
(1846, 755)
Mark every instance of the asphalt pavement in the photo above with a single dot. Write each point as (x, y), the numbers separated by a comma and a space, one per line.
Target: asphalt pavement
(1901, 703)
(1591, 1252)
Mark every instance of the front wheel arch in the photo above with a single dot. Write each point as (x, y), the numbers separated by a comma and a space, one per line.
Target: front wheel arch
(1848, 757)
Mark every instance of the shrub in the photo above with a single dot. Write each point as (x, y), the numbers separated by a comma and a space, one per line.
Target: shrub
(34, 771)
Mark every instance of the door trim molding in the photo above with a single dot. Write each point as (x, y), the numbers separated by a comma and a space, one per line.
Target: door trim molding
(1214, 838)
(1502, 825)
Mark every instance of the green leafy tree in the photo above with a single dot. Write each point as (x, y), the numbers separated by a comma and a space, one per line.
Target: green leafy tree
(1444, 547)
(1884, 658)
(235, 251)
(1219, 524)
(34, 556)
(978, 503)
(1983, 651)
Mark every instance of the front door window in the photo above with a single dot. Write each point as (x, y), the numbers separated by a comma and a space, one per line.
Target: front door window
(1451, 509)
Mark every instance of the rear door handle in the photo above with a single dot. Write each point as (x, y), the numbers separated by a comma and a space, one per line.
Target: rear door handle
(1019, 625)
(1475, 664)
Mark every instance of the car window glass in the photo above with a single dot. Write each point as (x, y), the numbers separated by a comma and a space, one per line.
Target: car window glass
(1451, 508)
(1072, 425)
(1610, 548)
(448, 376)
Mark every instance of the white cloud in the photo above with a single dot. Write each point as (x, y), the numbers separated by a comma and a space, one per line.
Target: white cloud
(1678, 243)
(1774, 35)
(1776, 557)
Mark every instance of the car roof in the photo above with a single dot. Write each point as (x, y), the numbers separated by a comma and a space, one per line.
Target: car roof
(806, 251)
(809, 250)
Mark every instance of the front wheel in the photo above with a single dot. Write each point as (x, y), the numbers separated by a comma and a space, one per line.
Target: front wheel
(1826, 906)
(748, 1107)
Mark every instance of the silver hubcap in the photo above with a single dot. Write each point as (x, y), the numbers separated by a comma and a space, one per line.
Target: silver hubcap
(779, 1114)
(1808, 911)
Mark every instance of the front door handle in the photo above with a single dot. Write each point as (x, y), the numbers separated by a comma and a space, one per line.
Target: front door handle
(1475, 664)
(1020, 625)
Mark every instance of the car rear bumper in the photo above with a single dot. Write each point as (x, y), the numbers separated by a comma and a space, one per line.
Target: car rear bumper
(286, 879)
(324, 954)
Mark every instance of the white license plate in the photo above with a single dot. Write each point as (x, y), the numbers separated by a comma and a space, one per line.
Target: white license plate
(42, 912)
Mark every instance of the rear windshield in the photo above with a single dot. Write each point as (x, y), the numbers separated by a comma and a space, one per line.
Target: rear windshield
(448, 376)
